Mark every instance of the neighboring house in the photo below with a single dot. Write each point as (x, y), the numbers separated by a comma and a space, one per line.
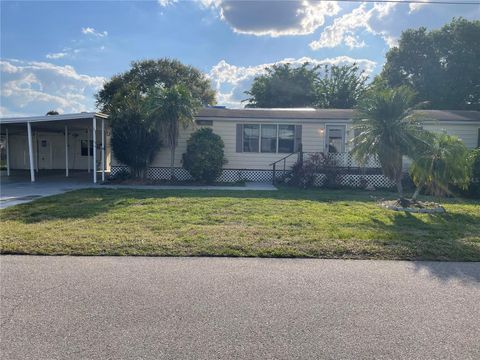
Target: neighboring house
(254, 140)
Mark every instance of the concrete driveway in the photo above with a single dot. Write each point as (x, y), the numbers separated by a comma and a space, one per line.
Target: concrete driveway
(19, 189)
(224, 308)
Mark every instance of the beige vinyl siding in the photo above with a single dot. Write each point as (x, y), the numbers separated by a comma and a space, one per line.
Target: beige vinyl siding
(312, 140)
(163, 157)
(56, 151)
(468, 133)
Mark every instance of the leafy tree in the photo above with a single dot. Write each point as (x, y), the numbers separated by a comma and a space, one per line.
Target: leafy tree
(52, 112)
(388, 129)
(147, 74)
(284, 86)
(442, 162)
(135, 141)
(169, 108)
(474, 185)
(340, 87)
(441, 66)
(204, 158)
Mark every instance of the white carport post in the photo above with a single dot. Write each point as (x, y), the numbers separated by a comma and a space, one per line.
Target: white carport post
(88, 149)
(103, 149)
(8, 151)
(30, 152)
(94, 136)
(66, 150)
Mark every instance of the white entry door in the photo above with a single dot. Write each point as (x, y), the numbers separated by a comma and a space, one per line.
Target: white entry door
(44, 153)
(335, 139)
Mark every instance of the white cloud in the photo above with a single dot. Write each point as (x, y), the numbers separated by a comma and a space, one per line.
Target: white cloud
(416, 6)
(230, 81)
(273, 18)
(93, 32)
(343, 30)
(166, 2)
(31, 87)
(58, 55)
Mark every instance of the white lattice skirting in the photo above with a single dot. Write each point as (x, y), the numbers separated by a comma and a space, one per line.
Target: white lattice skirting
(265, 176)
(363, 181)
(180, 174)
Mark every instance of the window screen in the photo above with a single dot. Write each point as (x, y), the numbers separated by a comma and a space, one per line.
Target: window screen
(84, 147)
(269, 138)
(286, 138)
(251, 135)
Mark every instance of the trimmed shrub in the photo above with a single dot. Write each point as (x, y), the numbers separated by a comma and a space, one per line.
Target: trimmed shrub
(204, 158)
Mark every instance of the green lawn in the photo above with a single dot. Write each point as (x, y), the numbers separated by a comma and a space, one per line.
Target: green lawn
(286, 223)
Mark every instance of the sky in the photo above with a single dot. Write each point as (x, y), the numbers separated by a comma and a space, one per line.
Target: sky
(56, 55)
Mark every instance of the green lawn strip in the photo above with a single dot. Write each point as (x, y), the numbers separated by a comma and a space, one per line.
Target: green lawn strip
(285, 223)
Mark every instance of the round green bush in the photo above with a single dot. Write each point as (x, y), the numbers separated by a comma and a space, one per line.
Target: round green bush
(204, 158)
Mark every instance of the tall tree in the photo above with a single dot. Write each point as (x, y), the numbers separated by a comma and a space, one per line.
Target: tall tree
(340, 87)
(147, 74)
(441, 66)
(169, 108)
(388, 129)
(284, 86)
(135, 140)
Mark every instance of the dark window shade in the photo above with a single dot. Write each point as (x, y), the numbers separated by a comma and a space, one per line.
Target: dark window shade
(84, 147)
(251, 135)
(269, 138)
(205, 122)
(286, 138)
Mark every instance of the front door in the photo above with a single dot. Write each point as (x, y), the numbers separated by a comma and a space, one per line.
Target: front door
(44, 153)
(335, 139)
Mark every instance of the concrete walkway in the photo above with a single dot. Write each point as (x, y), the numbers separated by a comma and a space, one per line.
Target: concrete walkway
(227, 308)
(15, 191)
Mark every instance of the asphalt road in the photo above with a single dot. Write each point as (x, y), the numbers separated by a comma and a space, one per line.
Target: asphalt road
(219, 308)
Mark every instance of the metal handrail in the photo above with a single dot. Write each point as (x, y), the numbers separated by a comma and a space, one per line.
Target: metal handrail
(274, 164)
(284, 158)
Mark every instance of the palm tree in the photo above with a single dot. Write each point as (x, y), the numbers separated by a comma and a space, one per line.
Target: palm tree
(388, 129)
(444, 161)
(170, 108)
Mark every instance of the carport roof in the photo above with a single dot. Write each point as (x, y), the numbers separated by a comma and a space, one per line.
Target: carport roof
(62, 117)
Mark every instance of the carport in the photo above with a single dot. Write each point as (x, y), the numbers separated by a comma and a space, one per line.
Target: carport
(50, 143)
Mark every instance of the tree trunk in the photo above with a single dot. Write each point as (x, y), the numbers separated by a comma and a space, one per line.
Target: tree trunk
(417, 192)
(172, 162)
(399, 186)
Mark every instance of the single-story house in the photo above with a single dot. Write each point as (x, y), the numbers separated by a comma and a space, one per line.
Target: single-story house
(255, 139)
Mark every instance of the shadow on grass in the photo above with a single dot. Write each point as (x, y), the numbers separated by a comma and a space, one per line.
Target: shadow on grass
(449, 236)
(88, 203)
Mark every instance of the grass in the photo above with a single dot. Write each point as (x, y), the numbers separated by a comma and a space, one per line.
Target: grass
(286, 223)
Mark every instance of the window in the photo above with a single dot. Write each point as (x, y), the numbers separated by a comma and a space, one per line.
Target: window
(286, 138)
(84, 147)
(250, 138)
(205, 122)
(269, 138)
